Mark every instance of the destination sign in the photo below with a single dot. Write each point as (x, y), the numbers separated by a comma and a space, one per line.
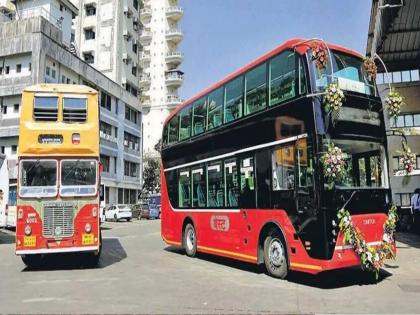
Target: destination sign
(50, 139)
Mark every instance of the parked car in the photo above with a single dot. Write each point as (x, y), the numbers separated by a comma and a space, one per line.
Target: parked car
(118, 212)
(142, 210)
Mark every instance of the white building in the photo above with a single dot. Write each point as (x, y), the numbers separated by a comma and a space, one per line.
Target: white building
(35, 47)
(160, 62)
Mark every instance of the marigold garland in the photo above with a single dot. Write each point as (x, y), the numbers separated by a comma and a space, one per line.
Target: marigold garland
(333, 165)
(320, 55)
(394, 102)
(371, 68)
(371, 258)
(333, 99)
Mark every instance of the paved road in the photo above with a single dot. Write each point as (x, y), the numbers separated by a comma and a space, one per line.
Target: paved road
(138, 273)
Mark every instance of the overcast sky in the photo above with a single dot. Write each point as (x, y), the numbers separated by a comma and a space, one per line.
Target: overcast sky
(221, 36)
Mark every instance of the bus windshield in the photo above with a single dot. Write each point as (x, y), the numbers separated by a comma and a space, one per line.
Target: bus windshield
(365, 164)
(348, 72)
(38, 178)
(78, 177)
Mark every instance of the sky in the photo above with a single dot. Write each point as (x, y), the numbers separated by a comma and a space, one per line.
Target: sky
(221, 36)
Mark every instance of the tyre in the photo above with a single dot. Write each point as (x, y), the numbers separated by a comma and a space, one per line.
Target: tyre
(190, 240)
(32, 261)
(275, 255)
(128, 219)
(92, 259)
(115, 218)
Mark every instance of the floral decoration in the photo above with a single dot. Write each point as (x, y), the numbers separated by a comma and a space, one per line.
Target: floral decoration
(407, 159)
(333, 99)
(394, 102)
(371, 68)
(320, 55)
(333, 164)
(371, 258)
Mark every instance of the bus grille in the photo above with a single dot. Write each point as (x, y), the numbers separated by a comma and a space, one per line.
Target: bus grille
(58, 220)
(74, 115)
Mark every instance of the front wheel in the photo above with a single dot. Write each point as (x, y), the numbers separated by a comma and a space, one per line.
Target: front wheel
(190, 240)
(32, 261)
(275, 255)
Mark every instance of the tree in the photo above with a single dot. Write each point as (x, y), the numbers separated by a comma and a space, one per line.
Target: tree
(151, 173)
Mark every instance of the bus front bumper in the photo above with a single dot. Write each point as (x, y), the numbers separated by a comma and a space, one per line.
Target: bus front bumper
(21, 252)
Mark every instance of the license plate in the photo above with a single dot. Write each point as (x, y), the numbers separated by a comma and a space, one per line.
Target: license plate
(29, 241)
(87, 239)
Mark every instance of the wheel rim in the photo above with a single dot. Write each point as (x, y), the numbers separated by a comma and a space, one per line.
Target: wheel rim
(190, 239)
(276, 253)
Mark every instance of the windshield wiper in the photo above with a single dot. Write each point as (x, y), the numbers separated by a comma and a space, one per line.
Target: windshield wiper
(35, 164)
(71, 170)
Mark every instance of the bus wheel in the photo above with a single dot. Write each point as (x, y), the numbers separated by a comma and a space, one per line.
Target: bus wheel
(32, 261)
(190, 240)
(275, 257)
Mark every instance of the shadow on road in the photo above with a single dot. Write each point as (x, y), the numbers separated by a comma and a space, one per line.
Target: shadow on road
(409, 239)
(6, 238)
(325, 280)
(112, 253)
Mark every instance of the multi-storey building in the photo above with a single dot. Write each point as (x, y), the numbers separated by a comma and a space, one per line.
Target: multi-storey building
(35, 48)
(395, 37)
(160, 61)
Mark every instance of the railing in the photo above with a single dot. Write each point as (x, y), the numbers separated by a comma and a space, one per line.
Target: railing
(174, 54)
(174, 9)
(174, 76)
(40, 11)
(145, 11)
(174, 31)
(144, 56)
(171, 99)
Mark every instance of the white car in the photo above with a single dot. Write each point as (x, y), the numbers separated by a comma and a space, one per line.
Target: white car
(118, 212)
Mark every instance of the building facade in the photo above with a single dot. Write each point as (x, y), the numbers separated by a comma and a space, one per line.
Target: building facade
(160, 61)
(394, 36)
(35, 49)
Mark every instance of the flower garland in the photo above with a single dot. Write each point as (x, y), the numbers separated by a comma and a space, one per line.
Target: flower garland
(371, 258)
(333, 164)
(371, 68)
(394, 102)
(320, 55)
(407, 159)
(333, 99)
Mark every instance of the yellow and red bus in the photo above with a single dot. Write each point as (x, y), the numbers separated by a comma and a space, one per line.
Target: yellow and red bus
(59, 173)
(242, 175)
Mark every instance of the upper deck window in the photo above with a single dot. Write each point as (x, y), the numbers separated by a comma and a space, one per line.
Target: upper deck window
(234, 99)
(199, 116)
(74, 109)
(215, 108)
(46, 108)
(173, 130)
(256, 92)
(282, 77)
(185, 123)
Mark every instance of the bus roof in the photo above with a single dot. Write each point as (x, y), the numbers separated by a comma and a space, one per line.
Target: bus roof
(60, 88)
(301, 49)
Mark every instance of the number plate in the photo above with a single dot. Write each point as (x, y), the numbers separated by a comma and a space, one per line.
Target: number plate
(29, 241)
(87, 239)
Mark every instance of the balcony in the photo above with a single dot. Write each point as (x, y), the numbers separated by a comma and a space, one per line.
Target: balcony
(144, 58)
(173, 100)
(174, 35)
(145, 80)
(174, 79)
(145, 37)
(145, 15)
(174, 58)
(174, 13)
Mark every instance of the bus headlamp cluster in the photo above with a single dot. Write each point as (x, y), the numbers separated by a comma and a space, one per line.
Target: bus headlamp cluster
(28, 230)
(88, 228)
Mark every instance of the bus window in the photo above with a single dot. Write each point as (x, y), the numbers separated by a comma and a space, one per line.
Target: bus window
(165, 135)
(173, 129)
(234, 99)
(199, 116)
(247, 197)
(302, 78)
(38, 178)
(305, 164)
(282, 78)
(46, 108)
(232, 188)
(215, 184)
(215, 109)
(74, 109)
(198, 187)
(185, 123)
(283, 168)
(78, 177)
(184, 189)
(256, 93)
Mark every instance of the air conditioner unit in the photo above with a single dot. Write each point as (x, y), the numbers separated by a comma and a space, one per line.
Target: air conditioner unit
(124, 80)
(125, 9)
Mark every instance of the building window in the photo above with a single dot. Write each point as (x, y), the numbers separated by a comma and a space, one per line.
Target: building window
(63, 79)
(18, 68)
(1, 70)
(7, 70)
(106, 101)
(131, 141)
(105, 162)
(131, 114)
(134, 71)
(14, 149)
(53, 73)
(2, 149)
(30, 66)
(134, 47)
(90, 10)
(89, 58)
(61, 8)
(68, 81)
(406, 120)
(47, 71)
(136, 4)
(16, 108)
(89, 33)
(4, 109)
(130, 169)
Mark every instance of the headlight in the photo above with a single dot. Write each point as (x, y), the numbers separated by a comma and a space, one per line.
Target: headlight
(88, 228)
(28, 230)
(94, 212)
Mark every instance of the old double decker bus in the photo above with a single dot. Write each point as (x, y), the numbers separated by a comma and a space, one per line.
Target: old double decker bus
(241, 168)
(58, 195)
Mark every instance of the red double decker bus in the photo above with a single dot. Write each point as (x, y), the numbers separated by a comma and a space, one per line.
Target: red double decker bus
(242, 174)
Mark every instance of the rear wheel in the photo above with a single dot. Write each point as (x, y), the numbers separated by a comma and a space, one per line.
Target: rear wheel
(115, 218)
(275, 255)
(128, 219)
(32, 261)
(190, 240)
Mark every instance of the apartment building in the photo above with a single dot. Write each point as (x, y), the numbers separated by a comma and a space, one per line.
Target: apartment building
(35, 47)
(395, 37)
(160, 61)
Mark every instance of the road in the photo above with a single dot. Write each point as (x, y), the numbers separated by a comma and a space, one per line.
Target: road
(138, 273)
